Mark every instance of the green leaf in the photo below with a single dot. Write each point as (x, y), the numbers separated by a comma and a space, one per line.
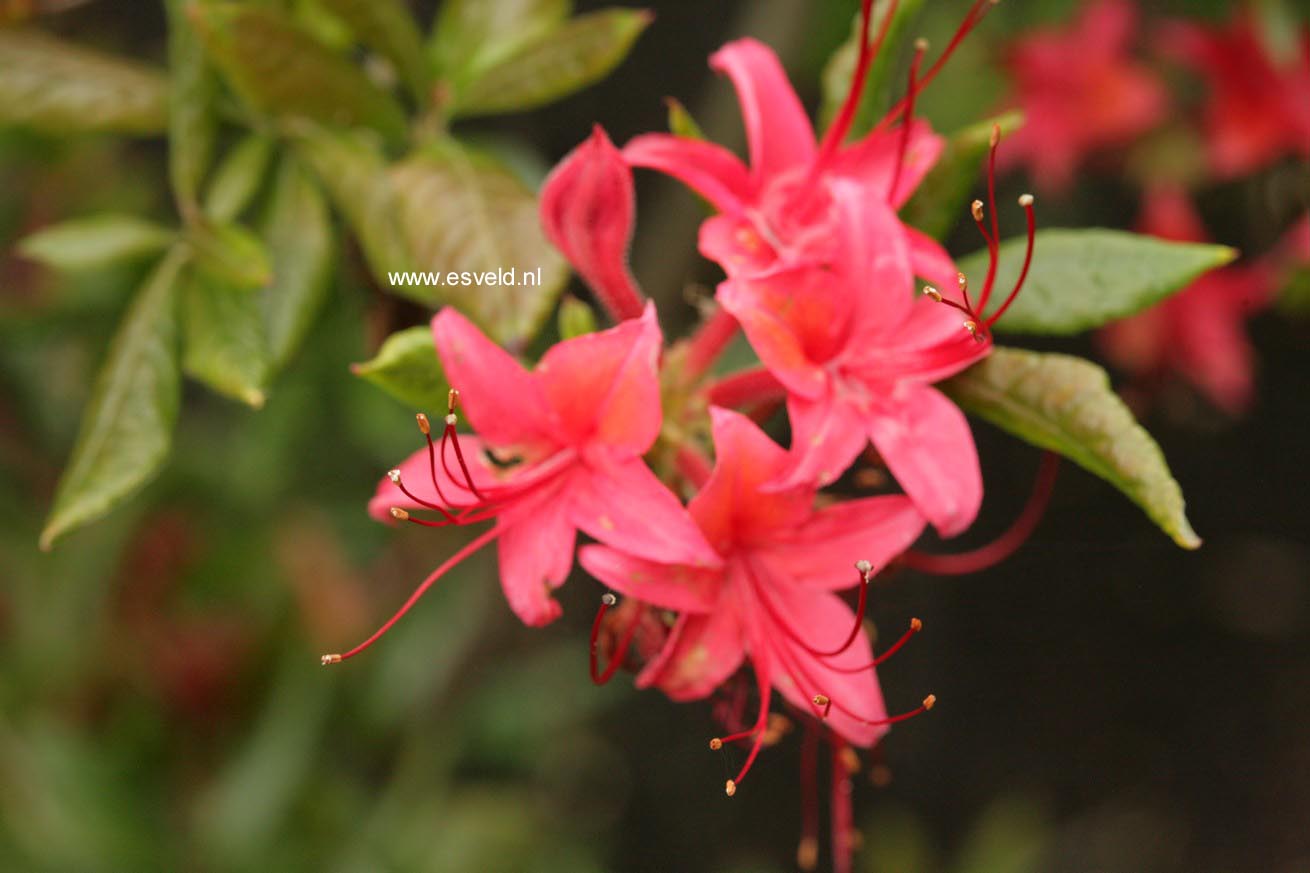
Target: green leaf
(388, 27)
(1081, 279)
(192, 116)
(575, 318)
(407, 368)
(559, 62)
(474, 34)
(230, 253)
(1065, 404)
(127, 427)
(55, 87)
(96, 242)
(223, 338)
(460, 212)
(1294, 299)
(939, 202)
(237, 179)
(840, 69)
(280, 69)
(298, 231)
(681, 122)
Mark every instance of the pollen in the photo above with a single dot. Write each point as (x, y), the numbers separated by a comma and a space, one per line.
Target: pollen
(608, 599)
(730, 788)
(394, 476)
(930, 701)
(399, 514)
(864, 567)
(820, 700)
(716, 744)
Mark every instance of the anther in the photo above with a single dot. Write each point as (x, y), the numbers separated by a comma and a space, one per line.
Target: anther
(972, 328)
(423, 424)
(608, 599)
(820, 700)
(394, 476)
(929, 702)
(807, 853)
(850, 760)
(932, 292)
(996, 136)
(399, 514)
(730, 788)
(452, 401)
(921, 45)
(1025, 200)
(716, 744)
(452, 419)
(328, 660)
(865, 568)
(976, 209)
(916, 625)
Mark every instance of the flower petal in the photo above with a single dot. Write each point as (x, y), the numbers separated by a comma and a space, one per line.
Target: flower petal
(536, 553)
(733, 244)
(827, 434)
(930, 261)
(503, 401)
(822, 552)
(927, 444)
(872, 161)
(707, 168)
(621, 503)
(702, 651)
(604, 387)
(777, 129)
(668, 586)
(587, 212)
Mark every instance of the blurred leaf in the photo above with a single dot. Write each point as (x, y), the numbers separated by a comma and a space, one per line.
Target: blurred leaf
(281, 69)
(1009, 837)
(298, 231)
(1294, 299)
(939, 202)
(681, 122)
(388, 26)
(230, 253)
(575, 318)
(407, 368)
(1065, 404)
(558, 62)
(192, 120)
(56, 87)
(354, 173)
(840, 69)
(127, 427)
(223, 338)
(236, 180)
(473, 34)
(1082, 279)
(96, 242)
(462, 211)
(904, 843)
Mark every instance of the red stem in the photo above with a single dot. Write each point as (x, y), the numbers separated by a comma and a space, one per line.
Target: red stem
(709, 341)
(746, 387)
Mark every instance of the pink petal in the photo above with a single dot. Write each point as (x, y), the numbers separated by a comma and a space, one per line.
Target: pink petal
(701, 653)
(503, 401)
(621, 503)
(707, 168)
(777, 129)
(668, 586)
(536, 554)
(604, 387)
(587, 212)
(876, 287)
(823, 621)
(931, 261)
(872, 161)
(1107, 27)
(927, 444)
(928, 346)
(827, 434)
(731, 509)
(733, 244)
(822, 552)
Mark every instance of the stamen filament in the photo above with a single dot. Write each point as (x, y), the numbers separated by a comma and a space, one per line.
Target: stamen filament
(928, 703)
(394, 476)
(1026, 201)
(621, 650)
(920, 47)
(841, 125)
(915, 627)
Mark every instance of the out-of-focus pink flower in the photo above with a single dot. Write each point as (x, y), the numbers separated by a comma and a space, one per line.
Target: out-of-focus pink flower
(1198, 333)
(1258, 108)
(1080, 91)
(770, 601)
(559, 450)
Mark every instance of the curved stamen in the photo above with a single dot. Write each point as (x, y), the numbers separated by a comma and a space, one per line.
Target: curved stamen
(865, 570)
(993, 144)
(928, 703)
(621, 650)
(394, 476)
(841, 125)
(920, 47)
(471, 547)
(1026, 201)
(915, 627)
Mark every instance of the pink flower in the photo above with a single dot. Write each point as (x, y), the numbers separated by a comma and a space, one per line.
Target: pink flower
(559, 450)
(858, 368)
(770, 599)
(1197, 333)
(1080, 92)
(1259, 107)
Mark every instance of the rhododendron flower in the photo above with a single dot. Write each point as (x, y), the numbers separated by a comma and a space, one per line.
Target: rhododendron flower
(1197, 333)
(1258, 109)
(770, 600)
(1080, 91)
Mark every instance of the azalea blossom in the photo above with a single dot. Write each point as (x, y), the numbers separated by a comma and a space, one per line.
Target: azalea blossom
(1199, 333)
(1080, 91)
(770, 598)
(1258, 106)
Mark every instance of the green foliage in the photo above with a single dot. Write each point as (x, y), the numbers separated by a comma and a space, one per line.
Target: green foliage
(231, 253)
(282, 70)
(1082, 279)
(54, 87)
(407, 368)
(127, 427)
(237, 179)
(95, 242)
(223, 338)
(460, 210)
(1065, 404)
(575, 318)
(940, 201)
(192, 115)
(473, 35)
(681, 122)
(557, 62)
(388, 27)
(879, 85)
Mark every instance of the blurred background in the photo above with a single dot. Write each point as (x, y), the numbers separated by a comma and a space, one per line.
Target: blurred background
(1107, 702)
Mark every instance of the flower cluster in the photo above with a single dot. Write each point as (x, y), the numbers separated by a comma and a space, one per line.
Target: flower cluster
(821, 277)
